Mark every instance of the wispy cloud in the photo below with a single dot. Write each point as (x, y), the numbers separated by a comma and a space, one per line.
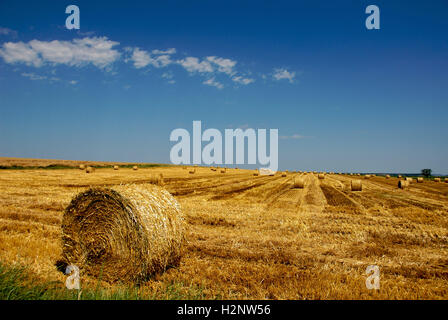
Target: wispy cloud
(142, 58)
(33, 76)
(214, 83)
(8, 32)
(294, 137)
(281, 73)
(242, 80)
(78, 52)
(193, 64)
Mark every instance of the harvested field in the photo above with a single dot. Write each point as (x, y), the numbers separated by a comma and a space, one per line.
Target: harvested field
(255, 237)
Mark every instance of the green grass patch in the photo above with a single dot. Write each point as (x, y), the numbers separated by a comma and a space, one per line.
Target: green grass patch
(16, 283)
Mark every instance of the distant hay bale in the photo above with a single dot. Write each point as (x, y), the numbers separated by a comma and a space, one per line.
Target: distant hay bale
(116, 167)
(156, 179)
(399, 176)
(256, 173)
(213, 169)
(127, 233)
(299, 182)
(89, 169)
(410, 180)
(356, 185)
(446, 180)
(135, 168)
(402, 184)
(321, 176)
(192, 171)
(387, 176)
(420, 180)
(437, 179)
(283, 174)
(82, 167)
(367, 176)
(223, 170)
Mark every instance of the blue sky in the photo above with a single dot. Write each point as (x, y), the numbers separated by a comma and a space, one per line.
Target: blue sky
(344, 98)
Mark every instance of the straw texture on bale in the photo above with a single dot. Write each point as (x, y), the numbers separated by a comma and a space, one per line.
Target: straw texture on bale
(116, 168)
(420, 180)
(321, 176)
(402, 184)
(299, 182)
(123, 234)
(82, 167)
(356, 185)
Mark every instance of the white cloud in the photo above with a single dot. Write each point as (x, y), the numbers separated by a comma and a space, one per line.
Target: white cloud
(282, 73)
(242, 80)
(192, 64)
(78, 52)
(224, 65)
(212, 82)
(8, 32)
(73, 82)
(142, 58)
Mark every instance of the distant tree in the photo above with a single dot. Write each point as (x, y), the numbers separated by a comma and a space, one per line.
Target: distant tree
(426, 172)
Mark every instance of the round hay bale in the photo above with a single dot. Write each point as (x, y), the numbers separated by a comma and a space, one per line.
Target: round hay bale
(402, 184)
(356, 185)
(82, 166)
(299, 182)
(437, 179)
(127, 233)
(283, 174)
(367, 176)
(399, 176)
(387, 176)
(89, 169)
(321, 176)
(410, 180)
(446, 180)
(256, 173)
(116, 167)
(135, 168)
(420, 180)
(192, 171)
(156, 179)
(223, 171)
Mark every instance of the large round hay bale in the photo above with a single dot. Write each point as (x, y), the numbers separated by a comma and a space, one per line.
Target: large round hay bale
(402, 184)
(116, 167)
(420, 180)
(321, 176)
(135, 168)
(437, 179)
(82, 166)
(356, 185)
(127, 233)
(156, 179)
(299, 182)
(410, 180)
(89, 169)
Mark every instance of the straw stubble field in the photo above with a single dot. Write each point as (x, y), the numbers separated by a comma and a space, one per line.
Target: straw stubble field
(255, 237)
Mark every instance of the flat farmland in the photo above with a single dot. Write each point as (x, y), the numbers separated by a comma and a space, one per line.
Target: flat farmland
(255, 237)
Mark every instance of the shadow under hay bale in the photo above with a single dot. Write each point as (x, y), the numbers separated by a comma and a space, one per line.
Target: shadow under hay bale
(123, 234)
